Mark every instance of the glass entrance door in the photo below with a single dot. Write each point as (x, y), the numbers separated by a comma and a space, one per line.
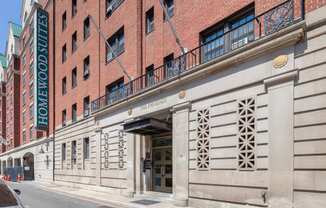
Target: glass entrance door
(162, 169)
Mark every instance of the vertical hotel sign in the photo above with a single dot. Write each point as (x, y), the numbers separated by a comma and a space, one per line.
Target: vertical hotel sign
(41, 69)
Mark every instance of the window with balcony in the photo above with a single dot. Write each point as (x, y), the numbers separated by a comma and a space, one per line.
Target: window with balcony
(64, 21)
(64, 118)
(74, 112)
(63, 151)
(74, 152)
(74, 42)
(87, 30)
(150, 77)
(111, 6)
(86, 70)
(86, 148)
(86, 106)
(73, 8)
(150, 20)
(64, 86)
(74, 78)
(169, 5)
(64, 53)
(117, 45)
(169, 65)
(217, 42)
(114, 91)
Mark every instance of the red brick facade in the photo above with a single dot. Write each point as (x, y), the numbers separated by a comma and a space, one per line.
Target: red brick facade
(13, 103)
(3, 114)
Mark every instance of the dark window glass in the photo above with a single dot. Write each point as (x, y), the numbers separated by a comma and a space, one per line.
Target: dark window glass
(64, 53)
(64, 117)
(214, 45)
(112, 5)
(74, 152)
(86, 106)
(242, 31)
(150, 20)
(86, 148)
(74, 42)
(87, 31)
(7, 198)
(64, 20)
(74, 78)
(169, 5)
(74, 8)
(63, 151)
(150, 77)
(64, 85)
(169, 65)
(74, 112)
(117, 44)
(115, 91)
(86, 70)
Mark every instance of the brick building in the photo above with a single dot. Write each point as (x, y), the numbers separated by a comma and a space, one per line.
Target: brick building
(3, 68)
(210, 103)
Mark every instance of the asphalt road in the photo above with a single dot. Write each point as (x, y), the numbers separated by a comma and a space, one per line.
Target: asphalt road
(33, 196)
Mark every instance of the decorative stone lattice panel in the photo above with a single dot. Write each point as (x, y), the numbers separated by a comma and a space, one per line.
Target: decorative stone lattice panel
(121, 149)
(106, 150)
(246, 134)
(203, 137)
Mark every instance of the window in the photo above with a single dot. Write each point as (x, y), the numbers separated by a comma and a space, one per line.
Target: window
(112, 5)
(64, 21)
(74, 42)
(64, 117)
(169, 5)
(169, 65)
(117, 44)
(24, 99)
(63, 151)
(64, 53)
(114, 91)
(74, 8)
(86, 106)
(24, 137)
(74, 112)
(150, 77)
(64, 86)
(216, 42)
(24, 80)
(31, 89)
(31, 112)
(86, 148)
(74, 77)
(31, 70)
(86, 68)
(150, 20)
(87, 31)
(24, 118)
(31, 133)
(74, 152)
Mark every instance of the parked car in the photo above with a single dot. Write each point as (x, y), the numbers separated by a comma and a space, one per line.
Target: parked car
(9, 197)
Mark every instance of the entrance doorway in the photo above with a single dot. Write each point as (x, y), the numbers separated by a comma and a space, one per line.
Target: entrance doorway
(28, 166)
(162, 164)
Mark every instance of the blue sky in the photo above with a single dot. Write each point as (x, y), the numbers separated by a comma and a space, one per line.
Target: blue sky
(9, 11)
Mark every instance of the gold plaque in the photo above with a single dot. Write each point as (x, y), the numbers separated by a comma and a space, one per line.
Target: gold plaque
(182, 94)
(280, 61)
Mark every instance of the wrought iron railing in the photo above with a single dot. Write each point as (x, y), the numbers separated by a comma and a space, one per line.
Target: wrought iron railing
(269, 22)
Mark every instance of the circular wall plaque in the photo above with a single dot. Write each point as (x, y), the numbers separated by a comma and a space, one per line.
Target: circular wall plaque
(280, 61)
(182, 94)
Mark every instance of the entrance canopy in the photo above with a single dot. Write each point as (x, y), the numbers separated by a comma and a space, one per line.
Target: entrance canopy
(147, 126)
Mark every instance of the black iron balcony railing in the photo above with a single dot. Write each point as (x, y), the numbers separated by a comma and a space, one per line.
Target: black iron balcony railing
(252, 29)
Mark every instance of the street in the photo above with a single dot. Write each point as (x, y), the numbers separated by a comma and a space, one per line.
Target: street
(34, 197)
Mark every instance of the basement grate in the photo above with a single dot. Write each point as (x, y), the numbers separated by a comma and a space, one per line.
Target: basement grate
(145, 202)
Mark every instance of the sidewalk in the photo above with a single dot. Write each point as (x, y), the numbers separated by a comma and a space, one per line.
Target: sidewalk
(104, 198)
